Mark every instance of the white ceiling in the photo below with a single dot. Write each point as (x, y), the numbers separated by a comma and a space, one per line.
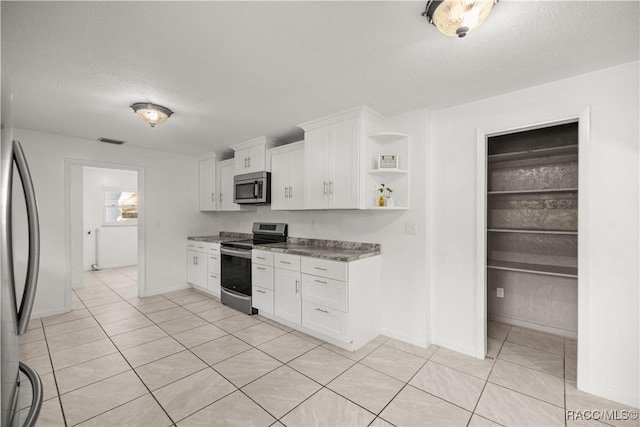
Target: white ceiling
(233, 71)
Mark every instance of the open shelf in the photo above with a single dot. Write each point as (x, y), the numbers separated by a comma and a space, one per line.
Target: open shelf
(388, 208)
(530, 231)
(540, 191)
(388, 136)
(548, 270)
(534, 153)
(387, 172)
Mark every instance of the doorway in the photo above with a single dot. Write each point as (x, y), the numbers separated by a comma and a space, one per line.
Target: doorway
(105, 223)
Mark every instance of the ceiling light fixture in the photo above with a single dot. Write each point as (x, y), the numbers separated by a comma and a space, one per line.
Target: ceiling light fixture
(456, 18)
(151, 113)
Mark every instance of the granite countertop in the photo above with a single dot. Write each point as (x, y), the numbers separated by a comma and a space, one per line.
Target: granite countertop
(334, 250)
(222, 237)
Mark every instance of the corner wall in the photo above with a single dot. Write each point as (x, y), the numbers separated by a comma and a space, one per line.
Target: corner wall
(170, 204)
(608, 338)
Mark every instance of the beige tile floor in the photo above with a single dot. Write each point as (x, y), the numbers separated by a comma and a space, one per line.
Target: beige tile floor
(184, 359)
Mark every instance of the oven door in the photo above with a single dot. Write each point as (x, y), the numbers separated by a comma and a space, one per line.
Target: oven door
(236, 270)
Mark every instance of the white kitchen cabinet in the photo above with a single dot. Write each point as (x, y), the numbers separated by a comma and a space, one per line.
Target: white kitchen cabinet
(262, 281)
(334, 151)
(213, 268)
(197, 268)
(287, 177)
(287, 301)
(225, 191)
(251, 156)
(207, 184)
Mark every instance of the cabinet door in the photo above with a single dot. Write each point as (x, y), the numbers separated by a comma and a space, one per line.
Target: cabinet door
(241, 161)
(343, 165)
(280, 181)
(197, 268)
(257, 159)
(226, 187)
(213, 283)
(296, 179)
(287, 302)
(207, 184)
(316, 144)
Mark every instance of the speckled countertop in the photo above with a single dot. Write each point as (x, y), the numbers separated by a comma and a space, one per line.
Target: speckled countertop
(224, 236)
(334, 250)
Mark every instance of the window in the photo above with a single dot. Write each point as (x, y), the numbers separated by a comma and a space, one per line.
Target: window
(120, 207)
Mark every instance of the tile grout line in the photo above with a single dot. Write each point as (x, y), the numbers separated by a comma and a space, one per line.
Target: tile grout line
(55, 378)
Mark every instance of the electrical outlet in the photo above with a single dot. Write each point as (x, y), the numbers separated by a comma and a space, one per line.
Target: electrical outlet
(410, 228)
(500, 292)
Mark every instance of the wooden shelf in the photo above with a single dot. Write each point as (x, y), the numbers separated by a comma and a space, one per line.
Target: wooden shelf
(548, 270)
(388, 136)
(530, 231)
(387, 172)
(535, 153)
(541, 191)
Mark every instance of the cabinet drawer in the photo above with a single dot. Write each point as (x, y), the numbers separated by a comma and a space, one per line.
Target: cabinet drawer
(213, 263)
(213, 283)
(324, 320)
(262, 299)
(327, 292)
(286, 261)
(192, 245)
(262, 276)
(325, 268)
(262, 257)
(213, 248)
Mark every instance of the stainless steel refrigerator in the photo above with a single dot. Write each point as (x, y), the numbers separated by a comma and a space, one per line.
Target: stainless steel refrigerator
(16, 303)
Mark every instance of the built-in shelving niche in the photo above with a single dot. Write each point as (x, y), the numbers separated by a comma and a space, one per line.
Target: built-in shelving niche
(383, 143)
(532, 223)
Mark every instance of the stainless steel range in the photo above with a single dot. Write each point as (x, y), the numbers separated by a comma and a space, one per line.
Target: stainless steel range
(236, 264)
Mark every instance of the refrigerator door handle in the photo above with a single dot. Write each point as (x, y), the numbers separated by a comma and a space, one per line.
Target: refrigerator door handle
(33, 265)
(36, 402)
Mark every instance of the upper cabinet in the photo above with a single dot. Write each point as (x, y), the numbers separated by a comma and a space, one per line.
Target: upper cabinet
(207, 184)
(251, 156)
(287, 180)
(225, 181)
(335, 150)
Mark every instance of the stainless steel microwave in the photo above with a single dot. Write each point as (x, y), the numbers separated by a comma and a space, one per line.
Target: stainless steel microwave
(252, 188)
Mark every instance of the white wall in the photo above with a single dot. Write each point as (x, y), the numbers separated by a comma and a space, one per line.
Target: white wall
(117, 245)
(405, 274)
(170, 206)
(608, 339)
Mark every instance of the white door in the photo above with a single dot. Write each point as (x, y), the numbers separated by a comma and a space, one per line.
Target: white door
(280, 181)
(296, 179)
(207, 184)
(226, 187)
(316, 183)
(287, 295)
(197, 268)
(344, 165)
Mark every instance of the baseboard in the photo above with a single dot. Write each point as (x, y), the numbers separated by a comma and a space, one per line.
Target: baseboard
(450, 345)
(404, 337)
(618, 396)
(152, 292)
(535, 326)
(39, 314)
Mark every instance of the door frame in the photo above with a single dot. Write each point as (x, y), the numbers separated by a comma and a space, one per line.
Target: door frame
(71, 221)
(584, 184)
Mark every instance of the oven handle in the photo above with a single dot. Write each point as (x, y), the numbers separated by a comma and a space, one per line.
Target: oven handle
(235, 294)
(236, 252)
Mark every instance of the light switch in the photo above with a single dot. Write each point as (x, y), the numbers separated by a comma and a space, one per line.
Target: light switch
(410, 228)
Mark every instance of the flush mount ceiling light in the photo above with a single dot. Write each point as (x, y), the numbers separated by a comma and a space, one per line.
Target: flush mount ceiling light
(456, 18)
(152, 113)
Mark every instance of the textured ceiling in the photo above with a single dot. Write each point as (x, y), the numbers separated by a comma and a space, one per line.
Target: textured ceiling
(233, 71)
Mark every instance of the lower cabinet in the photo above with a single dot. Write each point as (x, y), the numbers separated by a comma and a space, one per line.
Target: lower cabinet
(197, 268)
(288, 304)
(325, 320)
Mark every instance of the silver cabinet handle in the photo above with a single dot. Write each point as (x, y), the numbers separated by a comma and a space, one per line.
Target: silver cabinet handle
(215, 276)
(290, 192)
(249, 161)
(214, 258)
(213, 197)
(321, 310)
(297, 286)
(284, 262)
(195, 260)
(320, 281)
(320, 268)
(245, 162)
(220, 198)
(260, 257)
(261, 268)
(324, 183)
(286, 192)
(33, 263)
(330, 187)
(261, 291)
